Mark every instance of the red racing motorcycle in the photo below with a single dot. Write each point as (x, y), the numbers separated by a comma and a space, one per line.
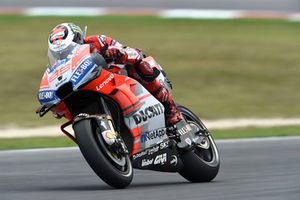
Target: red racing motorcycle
(118, 125)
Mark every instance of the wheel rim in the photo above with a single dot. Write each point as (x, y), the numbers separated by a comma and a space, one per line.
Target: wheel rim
(120, 162)
(115, 157)
(210, 156)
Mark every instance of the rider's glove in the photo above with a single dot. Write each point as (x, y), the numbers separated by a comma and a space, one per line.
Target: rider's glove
(116, 54)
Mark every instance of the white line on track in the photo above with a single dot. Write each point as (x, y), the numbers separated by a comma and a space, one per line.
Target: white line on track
(50, 131)
(39, 150)
(262, 139)
(223, 141)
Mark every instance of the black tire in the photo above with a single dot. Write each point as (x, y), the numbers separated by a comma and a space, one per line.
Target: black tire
(94, 151)
(200, 165)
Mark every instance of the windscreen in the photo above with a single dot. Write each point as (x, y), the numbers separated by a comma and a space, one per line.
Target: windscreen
(56, 56)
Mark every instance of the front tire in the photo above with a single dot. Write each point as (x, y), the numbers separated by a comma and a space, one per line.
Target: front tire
(97, 155)
(200, 164)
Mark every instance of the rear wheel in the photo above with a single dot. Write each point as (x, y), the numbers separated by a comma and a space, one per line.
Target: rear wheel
(202, 163)
(112, 167)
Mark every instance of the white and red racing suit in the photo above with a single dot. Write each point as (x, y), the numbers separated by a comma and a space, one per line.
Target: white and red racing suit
(138, 67)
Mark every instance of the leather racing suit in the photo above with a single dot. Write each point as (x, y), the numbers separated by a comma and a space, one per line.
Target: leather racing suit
(138, 67)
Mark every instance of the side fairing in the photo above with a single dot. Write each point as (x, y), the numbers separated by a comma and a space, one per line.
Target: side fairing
(143, 114)
(147, 120)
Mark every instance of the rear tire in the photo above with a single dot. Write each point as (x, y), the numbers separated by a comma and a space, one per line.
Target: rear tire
(200, 165)
(96, 154)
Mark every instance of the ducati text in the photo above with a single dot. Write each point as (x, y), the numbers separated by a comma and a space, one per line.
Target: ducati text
(148, 113)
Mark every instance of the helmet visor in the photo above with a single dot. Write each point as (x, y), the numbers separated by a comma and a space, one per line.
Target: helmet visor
(56, 56)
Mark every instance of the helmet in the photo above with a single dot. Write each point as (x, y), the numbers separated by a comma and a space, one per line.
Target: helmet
(62, 39)
(63, 35)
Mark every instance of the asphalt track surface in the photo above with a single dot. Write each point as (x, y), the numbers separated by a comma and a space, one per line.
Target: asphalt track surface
(271, 5)
(250, 169)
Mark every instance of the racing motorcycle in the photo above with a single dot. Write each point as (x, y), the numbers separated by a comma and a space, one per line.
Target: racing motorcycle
(118, 125)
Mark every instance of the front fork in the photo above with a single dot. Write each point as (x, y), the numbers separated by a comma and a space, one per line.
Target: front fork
(106, 128)
(111, 137)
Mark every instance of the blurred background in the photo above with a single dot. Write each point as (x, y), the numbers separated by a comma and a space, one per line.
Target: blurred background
(247, 67)
(270, 5)
(230, 61)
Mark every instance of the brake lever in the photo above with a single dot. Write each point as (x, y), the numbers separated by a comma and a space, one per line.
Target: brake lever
(42, 110)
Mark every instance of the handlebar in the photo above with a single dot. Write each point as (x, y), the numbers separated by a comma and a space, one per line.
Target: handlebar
(42, 110)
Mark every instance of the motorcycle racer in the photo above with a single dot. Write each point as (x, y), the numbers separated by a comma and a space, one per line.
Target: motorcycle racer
(119, 57)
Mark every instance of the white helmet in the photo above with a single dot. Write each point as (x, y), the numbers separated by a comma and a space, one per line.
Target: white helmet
(63, 35)
(62, 40)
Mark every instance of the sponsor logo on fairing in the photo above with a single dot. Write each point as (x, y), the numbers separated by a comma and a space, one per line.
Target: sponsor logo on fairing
(46, 96)
(158, 133)
(146, 152)
(164, 145)
(187, 128)
(61, 69)
(105, 82)
(174, 160)
(160, 159)
(147, 113)
(140, 154)
(80, 71)
(188, 141)
(153, 150)
(146, 162)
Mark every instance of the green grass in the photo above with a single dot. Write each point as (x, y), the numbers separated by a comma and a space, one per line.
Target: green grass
(29, 143)
(233, 68)
(256, 132)
(26, 143)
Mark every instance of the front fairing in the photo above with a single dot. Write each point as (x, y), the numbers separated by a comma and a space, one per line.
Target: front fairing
(77, 68)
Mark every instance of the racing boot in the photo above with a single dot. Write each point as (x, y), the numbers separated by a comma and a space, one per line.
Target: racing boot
(174, 119)
(173, 116)
(178, 128)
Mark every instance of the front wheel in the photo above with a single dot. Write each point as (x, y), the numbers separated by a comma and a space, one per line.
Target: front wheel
(115, 170)
(202, 163)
